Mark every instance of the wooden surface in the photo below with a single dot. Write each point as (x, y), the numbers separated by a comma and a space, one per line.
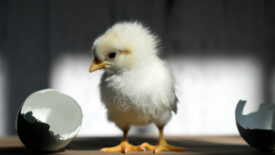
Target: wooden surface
(92, 145)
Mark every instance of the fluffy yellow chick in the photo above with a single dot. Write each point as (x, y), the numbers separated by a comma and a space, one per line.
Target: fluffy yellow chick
(137, 87)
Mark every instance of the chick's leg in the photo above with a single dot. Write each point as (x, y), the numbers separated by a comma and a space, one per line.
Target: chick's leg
(162, 144)
(123, 147)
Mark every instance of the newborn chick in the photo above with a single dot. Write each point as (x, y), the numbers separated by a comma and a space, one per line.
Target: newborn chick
(137, 87)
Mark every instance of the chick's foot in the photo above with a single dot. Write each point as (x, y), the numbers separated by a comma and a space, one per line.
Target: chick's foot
(162, 144)
(160, 147)
(123, 147)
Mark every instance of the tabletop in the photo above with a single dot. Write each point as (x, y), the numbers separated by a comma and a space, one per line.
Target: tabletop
(91, 145)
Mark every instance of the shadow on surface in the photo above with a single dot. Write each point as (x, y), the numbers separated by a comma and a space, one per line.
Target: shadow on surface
(191, 146)
(21, 150)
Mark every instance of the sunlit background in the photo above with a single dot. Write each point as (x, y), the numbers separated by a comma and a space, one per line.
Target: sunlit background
(220, 51)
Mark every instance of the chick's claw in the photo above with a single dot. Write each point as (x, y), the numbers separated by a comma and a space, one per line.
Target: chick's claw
(146, 146)
(123, 147)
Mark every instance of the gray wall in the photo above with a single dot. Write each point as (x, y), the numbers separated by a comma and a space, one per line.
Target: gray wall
(33, 33)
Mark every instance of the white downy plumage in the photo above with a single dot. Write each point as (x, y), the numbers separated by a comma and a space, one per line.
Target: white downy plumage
(138, 87)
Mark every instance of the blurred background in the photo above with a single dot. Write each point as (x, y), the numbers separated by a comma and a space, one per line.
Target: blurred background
(220, 51)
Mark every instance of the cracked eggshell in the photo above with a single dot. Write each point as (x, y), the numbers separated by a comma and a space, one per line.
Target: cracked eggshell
(257, 128)
(48, 120)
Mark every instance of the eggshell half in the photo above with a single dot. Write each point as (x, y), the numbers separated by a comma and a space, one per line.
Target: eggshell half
(48, 120)
(257, 128)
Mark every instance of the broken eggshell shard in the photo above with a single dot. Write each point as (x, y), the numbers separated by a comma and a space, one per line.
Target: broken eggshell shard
(257, 128)
(48, 120)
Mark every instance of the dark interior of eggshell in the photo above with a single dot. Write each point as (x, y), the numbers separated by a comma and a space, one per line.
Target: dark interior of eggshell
(263, 140)
(35, 134)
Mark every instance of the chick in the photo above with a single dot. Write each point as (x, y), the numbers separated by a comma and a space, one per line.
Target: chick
(137, 87)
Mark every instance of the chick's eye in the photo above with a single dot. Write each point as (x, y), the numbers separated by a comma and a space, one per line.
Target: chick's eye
(112, 55)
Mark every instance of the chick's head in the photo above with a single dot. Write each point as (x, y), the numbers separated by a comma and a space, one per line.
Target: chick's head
(124, 46)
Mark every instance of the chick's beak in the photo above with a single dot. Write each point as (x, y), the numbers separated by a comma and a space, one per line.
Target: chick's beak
(97, 64)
